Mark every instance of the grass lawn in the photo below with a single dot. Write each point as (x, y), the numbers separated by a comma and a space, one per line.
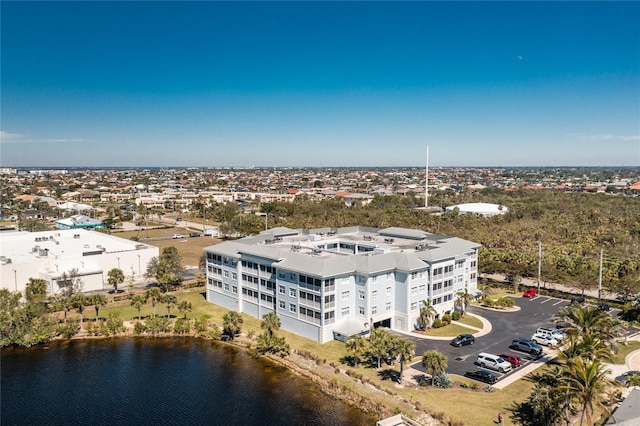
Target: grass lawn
(469, 320)
(451, 330)
(624, 350)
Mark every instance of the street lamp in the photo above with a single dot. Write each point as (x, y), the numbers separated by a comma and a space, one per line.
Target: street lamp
(118, 262)
(139, 273)
(15, 278)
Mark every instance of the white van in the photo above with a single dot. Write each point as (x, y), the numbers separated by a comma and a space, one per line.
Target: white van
(494, 362)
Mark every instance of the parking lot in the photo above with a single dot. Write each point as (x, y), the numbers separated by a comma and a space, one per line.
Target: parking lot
(533, 313)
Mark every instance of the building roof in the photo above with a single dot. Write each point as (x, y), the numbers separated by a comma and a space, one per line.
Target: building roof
(628, 412)
(485, 209)
(79, 221)
(327, 252)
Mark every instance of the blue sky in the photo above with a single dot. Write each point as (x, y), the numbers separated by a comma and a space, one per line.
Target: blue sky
(320, 84)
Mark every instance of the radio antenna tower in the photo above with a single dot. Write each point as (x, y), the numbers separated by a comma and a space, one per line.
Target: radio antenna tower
(426, 182)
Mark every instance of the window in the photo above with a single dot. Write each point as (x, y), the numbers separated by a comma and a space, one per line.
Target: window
(374, 310)
(361, 294)
(387, 307)
(414, 291)
(345, 280)
(345, 295)
(293, 308)
(414, 306)
(374, 278)
(421, 288)
(345, 311)
(226, 274)
(374, 294)
(281, 289)
(282, 304)
(388, 275)
(388, 291)
(361, 310)
(226, 287)
(234, 276)
(234, 289)
(292, 292)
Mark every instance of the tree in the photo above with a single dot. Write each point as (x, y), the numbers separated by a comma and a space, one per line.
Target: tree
(357, 346)
(427, 314)
(79, 301)
(62, 303)
(154, 295)
(36, 290)
(231, 324)
(586, 381)
(406, 350)
(270, 323)
(463, 299)
(435, 362)
(185, 307)
(97, 300)
(70, 283)
(167, 269)
(170, 300)
(379, 344)
(115, 277)
(137, 300)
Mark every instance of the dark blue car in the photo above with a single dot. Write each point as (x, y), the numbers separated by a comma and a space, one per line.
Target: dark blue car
(482, 376)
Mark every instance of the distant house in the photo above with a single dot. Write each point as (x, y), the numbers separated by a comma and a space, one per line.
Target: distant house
(484, 209)
(79, 221)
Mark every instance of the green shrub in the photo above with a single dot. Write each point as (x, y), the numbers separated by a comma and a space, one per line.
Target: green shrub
(139, 328)
(443, 381)
(446, 318)
(437, 323)
(68, 329)
(455, 315)
(486, 302)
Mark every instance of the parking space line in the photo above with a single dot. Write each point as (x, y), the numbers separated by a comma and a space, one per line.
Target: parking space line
(559, 302)
(548, 300)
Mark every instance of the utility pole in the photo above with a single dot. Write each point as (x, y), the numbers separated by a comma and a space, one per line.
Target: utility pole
(600, 275)
(539, 262)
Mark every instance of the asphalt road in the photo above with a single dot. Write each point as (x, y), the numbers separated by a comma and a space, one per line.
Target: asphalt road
(533, 313)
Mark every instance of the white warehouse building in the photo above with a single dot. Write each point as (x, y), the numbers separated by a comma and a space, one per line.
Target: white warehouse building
(333, 283)
(50, 254)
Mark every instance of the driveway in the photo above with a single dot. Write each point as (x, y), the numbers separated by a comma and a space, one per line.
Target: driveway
(523, 322)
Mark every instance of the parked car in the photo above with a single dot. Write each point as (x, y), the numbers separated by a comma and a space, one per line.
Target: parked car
(557, 334)
(578, 300)
(194, 234)
(526, 345)
(544, 339)
(530, 292)
(178, 219)
(604, 307)
(482, 375)
(177, 236)
(494, 362)
(625, 376)
(462, 340)
(512, 359)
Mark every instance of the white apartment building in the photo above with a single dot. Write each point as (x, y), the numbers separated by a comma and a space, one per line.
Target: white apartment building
(50, 254)
(333, 283)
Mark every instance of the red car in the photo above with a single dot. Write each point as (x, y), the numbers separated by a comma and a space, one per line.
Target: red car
(530, 292)
(512, 359)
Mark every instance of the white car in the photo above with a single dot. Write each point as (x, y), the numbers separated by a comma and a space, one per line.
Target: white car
(177, 236)
(544, 340)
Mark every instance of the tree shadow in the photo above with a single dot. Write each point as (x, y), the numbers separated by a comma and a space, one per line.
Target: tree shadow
(422, 379)
(349, 360)
(389, 374)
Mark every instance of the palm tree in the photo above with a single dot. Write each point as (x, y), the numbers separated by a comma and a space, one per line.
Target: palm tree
(115, 277)
(64, 304)
(379, 344)
(427, 313)
(270, 323)
(406, 350)
(231, 324)
(97, 300)
(356, 345)
(137, 300)
(169, 300)
(464, 299)
(79, 301)
(435, 362)
(586, 381)
(184, 307)
(586, 319)
(154, 294)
